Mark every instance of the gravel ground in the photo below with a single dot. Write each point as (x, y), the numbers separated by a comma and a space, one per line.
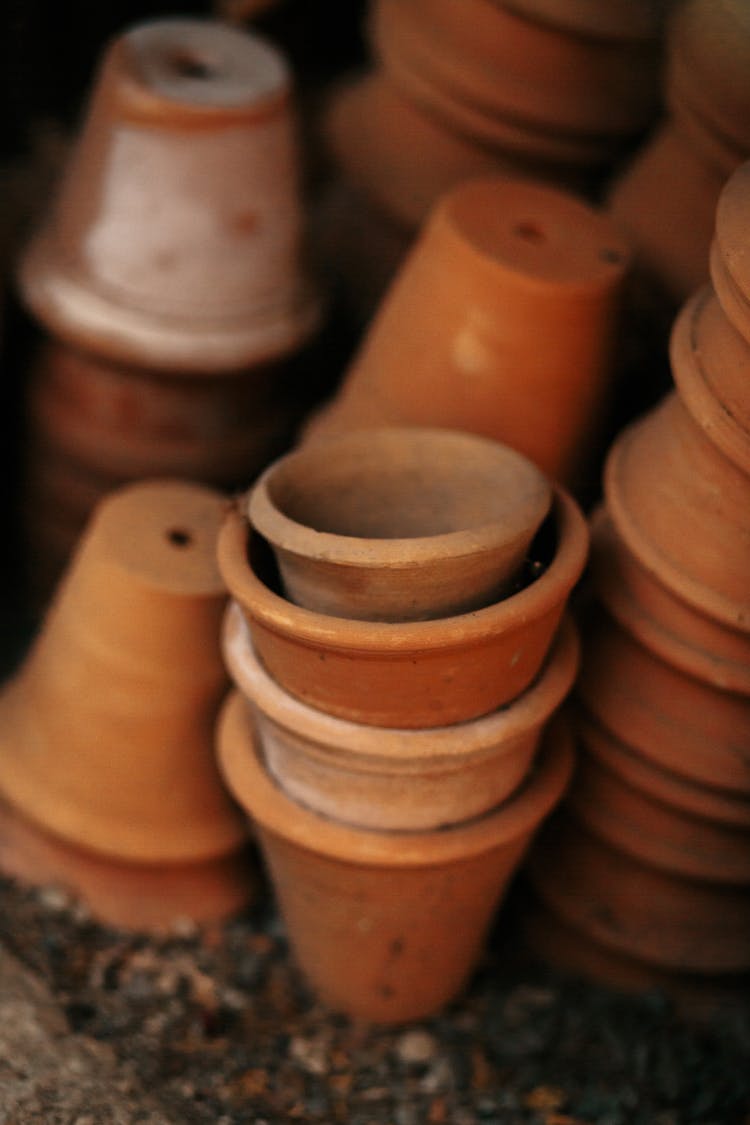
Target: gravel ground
(98, 1026)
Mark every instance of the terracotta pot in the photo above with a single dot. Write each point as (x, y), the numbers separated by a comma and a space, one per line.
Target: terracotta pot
(618, 20)
(667, 198)
(681, 634)
(372, 916)
(633, 908)
(678, 722)
(512, 290)
(697, 996)
(729, 271)
(400, 524)
(484, 64)
(110, 719)
(175, 240)
(657, 816)
(413, 674)
(128, 894)
(390, 779)
(664, 479)
(404, 159)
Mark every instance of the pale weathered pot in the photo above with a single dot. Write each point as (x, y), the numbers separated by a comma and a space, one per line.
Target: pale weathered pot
(657, 816)
(680, 723)
(400, 524)
(389, 779)
(412, 674)
(634, 908)
(108, 724)
(175, 240)
(678, 632)
(512, 290)
(373, 917)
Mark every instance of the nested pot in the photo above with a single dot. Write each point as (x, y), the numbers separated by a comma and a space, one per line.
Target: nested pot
(635, 908)
(175, 240)
(680, 633)
(391, 779)
(657, 816)
(680, 723)
(664, 479)
(500, 322)
(407, 674)
(372, 916)
(400, 524)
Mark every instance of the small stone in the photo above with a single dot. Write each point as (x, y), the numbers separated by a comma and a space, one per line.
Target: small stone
(415, 1047)
(311, 1054)
(55, 899)
(545, 1099)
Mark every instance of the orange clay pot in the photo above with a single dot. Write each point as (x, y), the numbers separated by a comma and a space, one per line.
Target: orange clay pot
(108, 725)
(667, 198)
(483, 65)
(729, 269)
(499, 323)
(633, 908)
(388, 779)
(657, 816)
(386, 926)
(400, 524)
(175, 240)
(130, 895)
(413, 674)
(664, 480)
(697, 996)
(679, 723)
(679, 633)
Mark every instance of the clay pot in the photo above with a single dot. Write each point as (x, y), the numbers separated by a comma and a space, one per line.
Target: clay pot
(130, 895)
(697, 996)
(399, 524)
(668, 197)
(657, 816)
(413, 674)
(389, 779)
(729, 270)
(663, 480)
(681, 634)
(679, 723)
(485, 65)
(512, 290)
(386, 926)
(633, 908)
(175, 240)
(109, 722)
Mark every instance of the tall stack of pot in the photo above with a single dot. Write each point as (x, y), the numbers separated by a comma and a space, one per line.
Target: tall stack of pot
(398, 641)
(646, 878)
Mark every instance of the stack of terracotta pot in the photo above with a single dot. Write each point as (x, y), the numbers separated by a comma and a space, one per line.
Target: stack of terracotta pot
(108, 777)
(551, 91)
(168, 274)
(667, 198)
(646, 880)
(501, 322)
(396, 667)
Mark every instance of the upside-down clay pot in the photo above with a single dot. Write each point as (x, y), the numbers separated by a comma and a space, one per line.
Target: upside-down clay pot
(659, 816)
(665, 479)
(386, 926)
(408, 674)
(667, 198)
(680, 723)
(175, 238)
(634, 908)
(500, 322)
(108, 724)
(681, 634)
(399, 524)
(391, 779)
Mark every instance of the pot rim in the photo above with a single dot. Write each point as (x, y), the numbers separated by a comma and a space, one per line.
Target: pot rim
(311, 629)
(266, 803)
(396, 552)
(393, 744)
